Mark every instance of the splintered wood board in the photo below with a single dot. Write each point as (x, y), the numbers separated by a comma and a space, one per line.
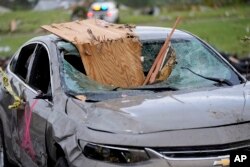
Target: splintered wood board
(110, 53)
(77, 31)
(114, 63)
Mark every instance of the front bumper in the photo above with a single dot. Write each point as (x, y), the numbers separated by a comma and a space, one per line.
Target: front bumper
(209, 147)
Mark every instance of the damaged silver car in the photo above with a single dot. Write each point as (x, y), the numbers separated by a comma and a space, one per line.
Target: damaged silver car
(53, 114)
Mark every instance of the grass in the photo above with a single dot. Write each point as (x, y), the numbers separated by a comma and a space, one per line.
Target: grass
(13, 41)
(223, 28)
(30, 21)
(228, 37)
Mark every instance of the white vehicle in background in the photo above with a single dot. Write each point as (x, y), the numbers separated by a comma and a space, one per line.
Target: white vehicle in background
(104, 10)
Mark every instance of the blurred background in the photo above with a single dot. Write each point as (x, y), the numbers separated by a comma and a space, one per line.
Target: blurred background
(225, 24)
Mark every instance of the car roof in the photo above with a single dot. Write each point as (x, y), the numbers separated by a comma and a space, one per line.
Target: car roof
(143, 32)
(156, 33)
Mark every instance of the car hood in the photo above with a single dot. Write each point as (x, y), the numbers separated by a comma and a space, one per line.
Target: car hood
(172, 111)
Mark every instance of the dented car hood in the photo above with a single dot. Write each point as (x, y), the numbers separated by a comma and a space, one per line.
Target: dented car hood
(172, 111)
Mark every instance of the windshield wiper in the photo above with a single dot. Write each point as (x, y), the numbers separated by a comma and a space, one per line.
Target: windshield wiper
(155, 88)
(218, 80)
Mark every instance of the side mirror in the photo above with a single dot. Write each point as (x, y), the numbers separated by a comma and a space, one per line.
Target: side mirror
(41, 95)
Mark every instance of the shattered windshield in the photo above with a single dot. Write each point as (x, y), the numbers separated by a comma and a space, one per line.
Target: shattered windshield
(190, 54)
(194, 55)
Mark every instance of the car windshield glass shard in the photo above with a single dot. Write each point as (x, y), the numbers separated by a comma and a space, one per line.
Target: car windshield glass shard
(218, 80)
(78, 82)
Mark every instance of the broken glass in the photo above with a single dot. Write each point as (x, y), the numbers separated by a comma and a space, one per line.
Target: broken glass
(193, 54)
(190, 53)
(73, 76)
(78, 82)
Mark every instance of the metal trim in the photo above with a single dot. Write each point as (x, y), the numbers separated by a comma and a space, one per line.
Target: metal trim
(187, 159)
(204, 151)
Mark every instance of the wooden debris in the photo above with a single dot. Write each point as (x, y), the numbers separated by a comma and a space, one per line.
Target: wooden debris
(168, 67)
(13, 25)
(110, 53)
(155, 69)
(81, 98)
(111, 64)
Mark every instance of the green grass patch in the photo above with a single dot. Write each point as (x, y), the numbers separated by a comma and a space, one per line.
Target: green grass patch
(30, 21)
(13, 42)
(225, 34)
(28, 26)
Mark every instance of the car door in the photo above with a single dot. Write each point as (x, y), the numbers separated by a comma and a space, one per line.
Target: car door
(32, 72)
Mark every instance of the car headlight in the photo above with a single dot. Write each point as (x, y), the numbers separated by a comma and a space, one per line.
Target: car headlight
(114, 154)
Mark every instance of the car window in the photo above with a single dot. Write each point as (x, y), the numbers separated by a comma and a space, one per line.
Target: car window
(39, 76)
(32, 66)
(20, 64)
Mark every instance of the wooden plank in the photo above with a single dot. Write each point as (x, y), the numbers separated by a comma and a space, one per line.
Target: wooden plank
(115, 63)
(110, 53)
(154, 70)
(79, 30)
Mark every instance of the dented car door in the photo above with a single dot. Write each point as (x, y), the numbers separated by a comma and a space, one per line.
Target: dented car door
(31, 80)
